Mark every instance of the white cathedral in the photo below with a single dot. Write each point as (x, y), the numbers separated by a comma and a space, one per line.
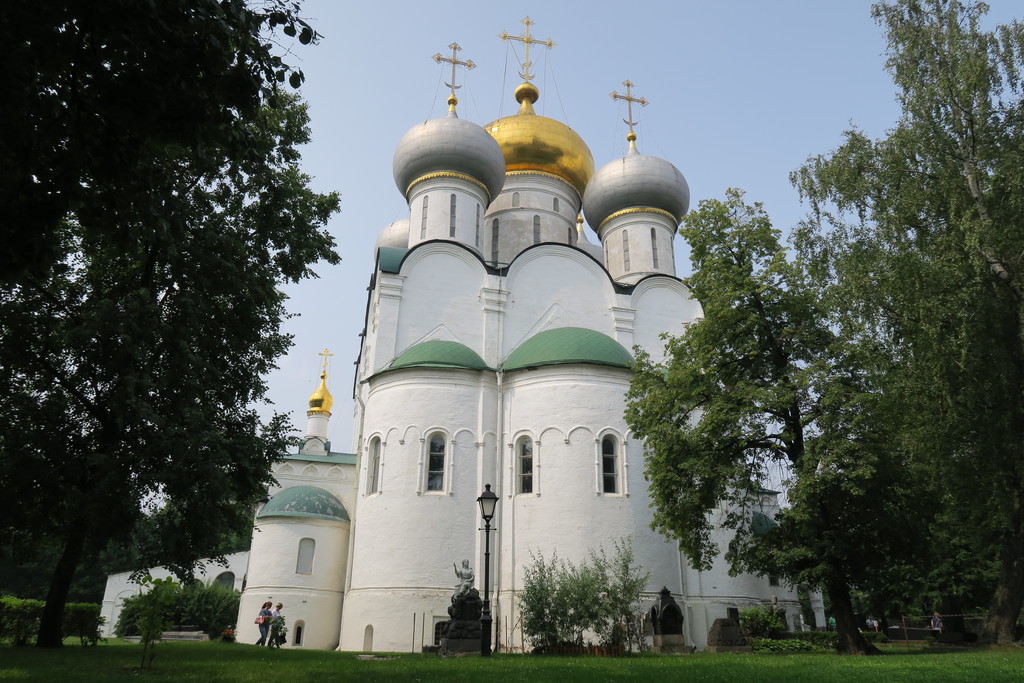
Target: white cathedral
(496, 350)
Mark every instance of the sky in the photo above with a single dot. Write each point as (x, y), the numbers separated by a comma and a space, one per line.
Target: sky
(741, 93)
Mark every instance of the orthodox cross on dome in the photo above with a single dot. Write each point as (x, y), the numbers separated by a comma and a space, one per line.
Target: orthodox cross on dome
(326, 354)
(454, 61)
(526, 40)
(628, 97)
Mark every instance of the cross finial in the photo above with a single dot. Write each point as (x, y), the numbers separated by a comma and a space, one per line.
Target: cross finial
(628, 97)
(526, 40)
(326, 354)
(454, 61)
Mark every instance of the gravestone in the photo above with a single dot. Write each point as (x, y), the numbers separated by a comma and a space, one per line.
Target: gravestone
(463, 635)
(667, 622)
(725, 636)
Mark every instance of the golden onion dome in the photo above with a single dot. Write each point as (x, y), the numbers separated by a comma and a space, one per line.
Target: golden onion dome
(321, 401)
(537, 143)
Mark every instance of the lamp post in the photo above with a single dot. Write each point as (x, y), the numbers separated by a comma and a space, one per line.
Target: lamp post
(488, 502)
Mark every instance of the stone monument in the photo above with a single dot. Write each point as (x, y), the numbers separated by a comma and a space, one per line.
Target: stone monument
(725, 636)
(462, 638)
(667, 622)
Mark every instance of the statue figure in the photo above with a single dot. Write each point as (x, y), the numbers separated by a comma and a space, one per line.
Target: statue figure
(466, 578)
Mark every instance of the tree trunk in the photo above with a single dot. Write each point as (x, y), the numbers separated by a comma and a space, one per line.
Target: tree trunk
(51, 626)
(850, 641)
(1009, 593)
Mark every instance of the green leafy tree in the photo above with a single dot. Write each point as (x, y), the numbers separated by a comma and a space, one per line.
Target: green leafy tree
(153, 614)
(762, 385)
(135, 336)
(918, 236)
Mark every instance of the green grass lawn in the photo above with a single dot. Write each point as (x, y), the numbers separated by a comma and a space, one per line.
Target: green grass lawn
(117, 661)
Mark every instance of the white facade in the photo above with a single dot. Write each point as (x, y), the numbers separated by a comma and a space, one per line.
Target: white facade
(496, 351)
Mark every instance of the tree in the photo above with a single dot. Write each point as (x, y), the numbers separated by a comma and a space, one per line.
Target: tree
(919, 237)
(764, 384)
(93, 88)
(136, 335)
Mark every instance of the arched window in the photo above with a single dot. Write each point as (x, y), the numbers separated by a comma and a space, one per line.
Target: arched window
(451, 218)
(515, 199)
(554, 204)
(568, 237)
(435, 462)
(654, 248)
(440, 628)
(477, 226)
(226, 579)
(423, 219)
(297, 630)
(494, 240)
(609, 465)
(304, 562)
(524, 466)
(368, 638)
(374, 473)
(536, 229)
(625, 250)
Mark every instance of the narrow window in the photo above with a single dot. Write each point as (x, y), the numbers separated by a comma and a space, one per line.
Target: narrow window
(568, 237)
(423, 220)
(609, 465)
(494, 241)
(374, 466)
(515, 199)
(654, 248)
(451, 218)
(524, 466)
(554, 204)
(536, 229)
(477, 226)
(435, 463)
(368, 638)
(299, 627)
(625, 250)
(304, 563)
(773, 580)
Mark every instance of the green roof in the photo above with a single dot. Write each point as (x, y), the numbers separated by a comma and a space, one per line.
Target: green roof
(438, 354)
(304, 501)
(332, 458)
(390, 258)
(568, 345)
(761, 524)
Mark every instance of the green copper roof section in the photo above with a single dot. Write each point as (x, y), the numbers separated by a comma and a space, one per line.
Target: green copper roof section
(390, 258)
(568, 345)
(439, 354)
(304, 501)
(332, 458)
(762, 524)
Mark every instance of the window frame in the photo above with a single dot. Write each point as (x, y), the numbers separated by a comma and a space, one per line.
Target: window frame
(525, 479)
(429, 470)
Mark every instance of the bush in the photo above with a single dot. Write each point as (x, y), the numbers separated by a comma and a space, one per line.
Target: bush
(19, 619)
(560, 602)
(789, 645)
(82, 619)
(211, 607)
(761, 622)
(875, 636)
(825, 640)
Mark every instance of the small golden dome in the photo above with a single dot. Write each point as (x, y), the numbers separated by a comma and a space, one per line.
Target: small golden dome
(321, 401)
(537, 143)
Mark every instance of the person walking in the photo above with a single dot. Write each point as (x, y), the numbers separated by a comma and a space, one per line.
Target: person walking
(263, 621)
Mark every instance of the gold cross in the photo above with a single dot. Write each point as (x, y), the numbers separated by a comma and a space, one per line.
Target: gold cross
(629, 105)
(325, 353)
(454, 61)
(526, 40)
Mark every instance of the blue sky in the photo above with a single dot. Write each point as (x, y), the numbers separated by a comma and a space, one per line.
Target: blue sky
(741, 93)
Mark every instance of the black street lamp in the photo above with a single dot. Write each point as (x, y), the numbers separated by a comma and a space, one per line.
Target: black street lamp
(488, 502)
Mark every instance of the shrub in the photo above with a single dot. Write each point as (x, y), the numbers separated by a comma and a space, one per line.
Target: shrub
(789, 645)
(82, 619)
(212, 607)
(761, 622)
(154, 607)
(19, 619)
(560, 602)
(825, 640)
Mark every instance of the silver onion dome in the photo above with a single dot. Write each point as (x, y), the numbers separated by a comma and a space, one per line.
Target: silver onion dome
(395, 235)
(449, 145)
(635, 181)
